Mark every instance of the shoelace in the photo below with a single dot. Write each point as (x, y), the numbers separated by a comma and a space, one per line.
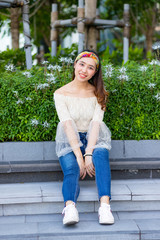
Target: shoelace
(65, 208)
(106, 208)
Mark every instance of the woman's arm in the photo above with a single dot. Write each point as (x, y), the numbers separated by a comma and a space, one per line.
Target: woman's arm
(92, 137)
(68, 133)
(94, 127)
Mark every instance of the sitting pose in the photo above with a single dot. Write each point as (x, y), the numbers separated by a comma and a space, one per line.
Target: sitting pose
(82, 138)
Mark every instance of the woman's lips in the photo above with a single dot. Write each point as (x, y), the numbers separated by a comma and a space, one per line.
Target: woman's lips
(82, 75)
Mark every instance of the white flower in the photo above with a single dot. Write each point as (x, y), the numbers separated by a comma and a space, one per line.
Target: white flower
(34, 122)
(15, 93)
(73, 53)
(154, 62)
(45, 62)
(156, 46)
(51, 80)
(123, 77)
(50, 67)
(28, 98)
(109, 74)
(109, 70)
(109, 67)
(19, 102)
(10, 67)
(63, 59)
(49, 75)
(46, 124)
(143, 68)
(70, 60)
(151, 85)
(27, 74)
(66, 60)
(157, 96)
(57, 67)
(114, 90)
(42, 86)
(122, 70)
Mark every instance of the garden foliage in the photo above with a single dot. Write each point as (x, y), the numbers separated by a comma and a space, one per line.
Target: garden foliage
(27, 111)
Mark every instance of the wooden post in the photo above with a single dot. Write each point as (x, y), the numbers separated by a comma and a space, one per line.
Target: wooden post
(27, 37)
(90, 12)
(97, 32)
(80, 25)
(54, 34)
(126, 33)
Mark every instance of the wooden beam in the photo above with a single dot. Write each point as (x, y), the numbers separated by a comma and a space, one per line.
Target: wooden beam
(90, 32)
(18, 2)
(5, 5)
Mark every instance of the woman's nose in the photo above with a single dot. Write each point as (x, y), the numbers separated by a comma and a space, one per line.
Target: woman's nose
(84, 69)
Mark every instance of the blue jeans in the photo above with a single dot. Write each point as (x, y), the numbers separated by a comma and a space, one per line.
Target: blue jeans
(71, 172)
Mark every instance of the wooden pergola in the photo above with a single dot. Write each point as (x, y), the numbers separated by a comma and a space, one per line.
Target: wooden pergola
(87, 22)
(26, 29)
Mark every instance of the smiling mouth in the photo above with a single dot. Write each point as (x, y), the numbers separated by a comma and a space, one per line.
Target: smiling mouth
(82, 75)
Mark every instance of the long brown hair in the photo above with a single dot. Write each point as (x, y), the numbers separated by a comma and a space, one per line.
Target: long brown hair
(97, 82)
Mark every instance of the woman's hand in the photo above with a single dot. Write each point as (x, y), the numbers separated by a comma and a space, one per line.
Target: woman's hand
(89, 166)
(82, 167)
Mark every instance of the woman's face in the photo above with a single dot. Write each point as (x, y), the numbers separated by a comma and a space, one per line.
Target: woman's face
(85, 68)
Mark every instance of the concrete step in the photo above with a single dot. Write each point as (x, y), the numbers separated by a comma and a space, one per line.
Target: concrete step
(46, 197)
(37, 161)
(50, 170)
(140, 226)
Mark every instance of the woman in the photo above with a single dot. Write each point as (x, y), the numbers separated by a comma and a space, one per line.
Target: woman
(83, 139)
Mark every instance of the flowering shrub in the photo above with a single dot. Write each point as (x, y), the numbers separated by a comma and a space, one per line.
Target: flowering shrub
(10, 58)
(27, 111)
(133, 110)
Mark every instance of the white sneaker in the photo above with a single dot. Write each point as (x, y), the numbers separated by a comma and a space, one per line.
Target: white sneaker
(105, 214)
(70, 215)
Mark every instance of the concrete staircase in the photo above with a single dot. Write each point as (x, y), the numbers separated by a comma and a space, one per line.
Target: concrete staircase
(31, 201)
(32, 211)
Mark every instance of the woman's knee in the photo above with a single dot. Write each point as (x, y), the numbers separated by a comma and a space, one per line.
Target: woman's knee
(101, 153)
(69, 164)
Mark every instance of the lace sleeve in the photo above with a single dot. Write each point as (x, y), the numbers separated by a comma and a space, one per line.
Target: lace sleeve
(67, 137)
(98, 135)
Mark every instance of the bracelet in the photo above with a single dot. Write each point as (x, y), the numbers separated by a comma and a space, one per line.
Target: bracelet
(87, 154)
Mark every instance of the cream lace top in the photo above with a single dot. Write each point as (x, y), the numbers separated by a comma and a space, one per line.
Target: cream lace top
(78, 114)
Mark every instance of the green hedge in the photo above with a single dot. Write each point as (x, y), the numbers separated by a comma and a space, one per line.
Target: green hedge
(27, 111)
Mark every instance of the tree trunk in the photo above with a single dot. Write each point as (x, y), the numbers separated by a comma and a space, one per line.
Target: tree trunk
(90, 32)
(15, 13)
(149, 36)
(150, 28)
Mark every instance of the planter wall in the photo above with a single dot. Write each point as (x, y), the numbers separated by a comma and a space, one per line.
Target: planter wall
(45, 151)
(37, 161)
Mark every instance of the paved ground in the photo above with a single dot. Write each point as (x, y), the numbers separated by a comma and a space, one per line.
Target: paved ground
(134, 225)
(32, 211)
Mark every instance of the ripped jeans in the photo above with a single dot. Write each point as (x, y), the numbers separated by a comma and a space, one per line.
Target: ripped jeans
(71, 172)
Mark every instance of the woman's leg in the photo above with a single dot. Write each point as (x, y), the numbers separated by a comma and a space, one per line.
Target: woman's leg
(71, 173)
(103, 180)
(102, 173)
